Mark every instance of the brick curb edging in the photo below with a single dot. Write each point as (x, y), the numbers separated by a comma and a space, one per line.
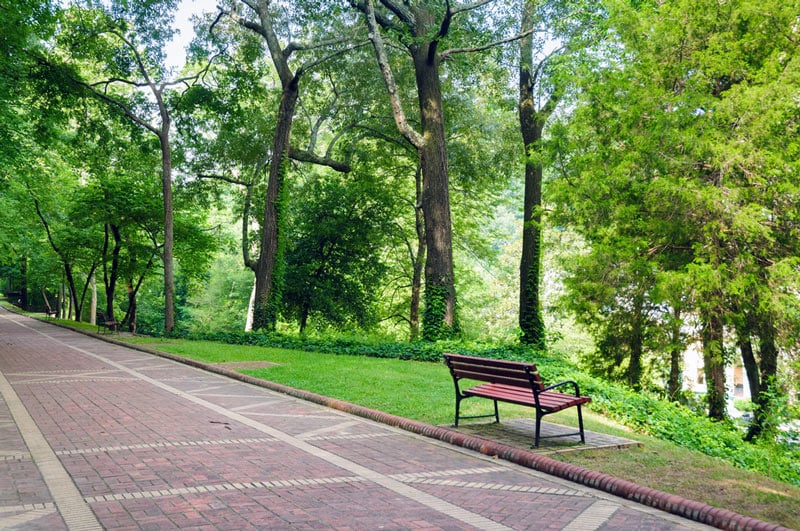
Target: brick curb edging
(671, 503)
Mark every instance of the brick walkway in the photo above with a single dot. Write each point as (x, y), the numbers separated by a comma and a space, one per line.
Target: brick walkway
(98, 436)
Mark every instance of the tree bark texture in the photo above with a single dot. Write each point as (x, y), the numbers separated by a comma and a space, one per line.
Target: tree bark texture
(439, 318)
(111, 276)
(767, 378)
(532, 122)
(634, 374)
(270, 262)
(169, 225)
(675, 356)
(714, 360)
(417, 260)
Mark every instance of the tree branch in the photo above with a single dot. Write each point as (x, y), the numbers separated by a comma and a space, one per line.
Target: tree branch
(386, 70)
(301, 155)
(402, 12)
(121, 106)
(384, 21)
(470, 6)
(222, 178)
(452, 51)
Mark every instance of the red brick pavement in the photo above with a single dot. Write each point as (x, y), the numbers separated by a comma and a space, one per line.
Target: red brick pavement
(95, 435)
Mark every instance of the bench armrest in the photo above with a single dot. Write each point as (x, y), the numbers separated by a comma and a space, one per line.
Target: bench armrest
(566, 382)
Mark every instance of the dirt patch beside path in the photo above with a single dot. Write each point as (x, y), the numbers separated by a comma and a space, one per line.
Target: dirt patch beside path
(246, 365)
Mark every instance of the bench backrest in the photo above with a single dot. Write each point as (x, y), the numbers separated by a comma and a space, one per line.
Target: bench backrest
(518, 374)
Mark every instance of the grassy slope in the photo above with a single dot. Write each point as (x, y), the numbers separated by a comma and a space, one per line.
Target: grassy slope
(427, 395)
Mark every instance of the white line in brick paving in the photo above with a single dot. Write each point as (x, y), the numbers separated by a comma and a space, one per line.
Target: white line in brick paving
(202, 390)
(25, 514)
(383, 480)
(71, 380)
(75, 512)
(593, 517)
(602, 507)
(253, 405)
(348, 437)
(199, 489)
(14, 456)
(177, 444)
(327, 429)
(292, 415)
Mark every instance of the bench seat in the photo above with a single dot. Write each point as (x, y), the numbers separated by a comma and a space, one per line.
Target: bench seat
(105, 324)
(512, 382)
(549, 401)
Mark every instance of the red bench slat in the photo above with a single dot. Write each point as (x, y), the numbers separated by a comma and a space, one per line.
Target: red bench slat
(514, 382)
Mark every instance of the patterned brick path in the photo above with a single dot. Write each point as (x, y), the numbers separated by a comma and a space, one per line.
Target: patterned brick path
(98, 436)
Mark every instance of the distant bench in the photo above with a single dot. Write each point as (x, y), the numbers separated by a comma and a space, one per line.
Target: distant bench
(513, 382)
(106, 324)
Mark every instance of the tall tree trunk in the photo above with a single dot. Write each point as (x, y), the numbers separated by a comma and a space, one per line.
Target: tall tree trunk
(714, 360)
(763, 397)
(636, 345)
(417, 260)
(93, 303)
(532, 122)
(754, 382)
(531, 125)
(531, 321)
(110, 277)
(131, 313)
(439, 318)
(73, 293)
(23, 283)
(169, 230)
(745, 342)
(675, 352)
(269, 267)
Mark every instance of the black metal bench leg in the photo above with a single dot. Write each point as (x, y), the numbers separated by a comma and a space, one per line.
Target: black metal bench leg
(538, 427)
(580, 424)
(496, 413)
(458, 409)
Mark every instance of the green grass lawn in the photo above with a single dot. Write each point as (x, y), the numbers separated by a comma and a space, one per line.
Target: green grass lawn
(424, 391)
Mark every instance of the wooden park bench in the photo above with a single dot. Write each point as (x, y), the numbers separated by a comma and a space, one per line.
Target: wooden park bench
(105, 324)
(49, 312)
(513, 382)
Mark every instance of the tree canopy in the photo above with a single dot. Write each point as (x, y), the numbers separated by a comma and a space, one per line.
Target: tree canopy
(626, 168)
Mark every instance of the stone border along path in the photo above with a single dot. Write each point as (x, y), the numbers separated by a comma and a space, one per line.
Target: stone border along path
(99, 435)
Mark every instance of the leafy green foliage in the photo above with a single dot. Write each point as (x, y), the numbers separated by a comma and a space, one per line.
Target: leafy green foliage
(333, 261)
(669, 167)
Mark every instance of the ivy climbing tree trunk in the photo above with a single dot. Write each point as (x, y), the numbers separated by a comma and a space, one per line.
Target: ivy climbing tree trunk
(674, 382)
(714, 361)
(532, 121)
(417, 260)
(269, 267)
(169, 224)
(768, 388)
(439, 318)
